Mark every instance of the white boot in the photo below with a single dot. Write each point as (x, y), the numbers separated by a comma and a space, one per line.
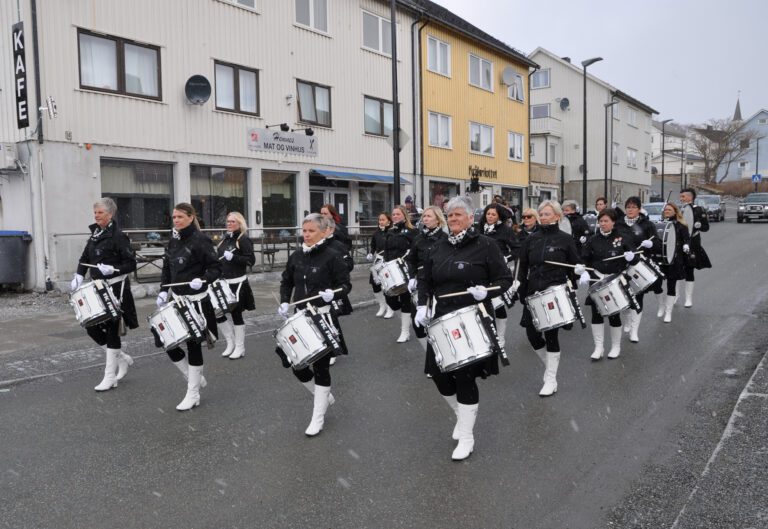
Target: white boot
(318, 412)
(110, 380)
(661, 299)
(183, 366)
(501, 330)
(626, 315)
(405, 327)
(123, 361)
(615, 351)
(542, 354)
(454, 404)
(379, 297)
(192, 398)
(239, 351)
(689, 293)
(311, 388)
(227, 331)
(465, 422)
(668, 309)
(388, 313)
(550, 375)
(598, 335)
(423, 343)
(635, 325)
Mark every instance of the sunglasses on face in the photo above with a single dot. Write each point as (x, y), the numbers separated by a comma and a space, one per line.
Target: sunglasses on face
(527, 216)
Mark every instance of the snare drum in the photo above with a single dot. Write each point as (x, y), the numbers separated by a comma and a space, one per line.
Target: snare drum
(669, 242)
(301, 341)
(176, 323)
(459, 339)
(394, 278)
(222, 298)
(609, 295)
(94, 303)
(375, 270)
(551, 308)
(641, 276)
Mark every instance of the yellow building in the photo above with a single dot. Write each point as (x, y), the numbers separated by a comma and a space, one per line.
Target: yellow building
(474, 111)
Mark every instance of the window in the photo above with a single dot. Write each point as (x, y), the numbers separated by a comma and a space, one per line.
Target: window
(314, 103)
(440, 191)
(142, 190)
(515, 146)
(515, 90)
(440, 130)
(112, 64)
(438, 56)
(481, 139)
(762, 121)
(377, 33)
(632, 116)
(215, 192)
(480, 72)
(615, 111)
(532, 150)
(646, 162)
(552, 154)
(540, 111)
(615, 153)
(742, 165)
(374, 198)
(378, 116)
(278, 202)
(245, 3)
(631, 158)
(237, 88)
(540, 79)
(313, 14)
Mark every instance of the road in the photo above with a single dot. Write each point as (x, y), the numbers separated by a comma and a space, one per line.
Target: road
(601, 453)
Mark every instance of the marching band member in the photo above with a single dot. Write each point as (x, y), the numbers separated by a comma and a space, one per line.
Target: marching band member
(375, 247)
(341, 233)
(640, 234)
(579, 228)
(698, 258)
(607, 242)
(530, 225)
(343, 307)
(236, 253)
(432, 224)
(110, 250)
(465, 260)
(547, 244)
(600, 204)
(676, 270)
(190, 258)
(314, 269)
(396, 245)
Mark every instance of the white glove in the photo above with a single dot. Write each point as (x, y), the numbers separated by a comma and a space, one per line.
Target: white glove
(284, 310)
(584, 279)
(369, 257)
(579, 270)
(515, 285)
(421, 318)
(76, 282)
(479, 293)
(162, 299)
(327, 295)
(629, 256)
(228, 255)
(196, 284)
(646, 244)
(412, 285)
(686, 248)
(106, 269)
(583, 239)
(697, 225)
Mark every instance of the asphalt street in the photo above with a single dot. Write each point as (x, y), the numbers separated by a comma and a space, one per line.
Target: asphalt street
(625, 443)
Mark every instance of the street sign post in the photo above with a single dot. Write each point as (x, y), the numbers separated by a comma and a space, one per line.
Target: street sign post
(757, 178)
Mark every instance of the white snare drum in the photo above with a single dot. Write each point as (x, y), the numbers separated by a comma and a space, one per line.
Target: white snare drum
(641, 276)
(177, 322)
(669, 242)
(497, 302)
(301, 341)
(459, 339)
(375, 270)
(394, 277)
(551, 308)
(609, 295)
(94, 303)
(222, 298)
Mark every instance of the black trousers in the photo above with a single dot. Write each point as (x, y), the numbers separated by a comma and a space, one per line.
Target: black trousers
(237, 316)
(401, 302)
(106, 334)
(194, 353)
(320, 371)
(460, 382)
(548, 338)
(597, 318)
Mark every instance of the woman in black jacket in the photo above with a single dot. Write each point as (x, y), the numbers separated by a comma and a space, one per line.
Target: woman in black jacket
(676, 270)
(464, 261)
(376, 254)
(529, 225)
(235, 251)
(109, 249)
(341, 234)
(190, 258)
(311, 270)
(396, 245)
(607, 242)
(535, 275)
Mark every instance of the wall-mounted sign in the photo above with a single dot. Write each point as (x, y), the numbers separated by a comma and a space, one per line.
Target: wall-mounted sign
(476, 172)
(20, 75)
(277, 141)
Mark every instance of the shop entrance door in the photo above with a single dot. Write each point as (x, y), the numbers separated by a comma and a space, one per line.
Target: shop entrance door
(340, 200)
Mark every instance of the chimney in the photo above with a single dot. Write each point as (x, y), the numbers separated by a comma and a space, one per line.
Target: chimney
(566, 59)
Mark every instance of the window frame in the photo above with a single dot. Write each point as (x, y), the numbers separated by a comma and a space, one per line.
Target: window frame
(311, 26)
(380, 18)
(314, 100)
(236, 85)
(646, 162)
(481, 61)
(438, 42)
(615, 146)
(120, 43)
(440, 115)
(511, 134)
(493, 139)
(552, 154)
(632, 117)
(541, 72)
(631, 158)
(549, 111)
(521, 98)
(381, 103)
(236, 3)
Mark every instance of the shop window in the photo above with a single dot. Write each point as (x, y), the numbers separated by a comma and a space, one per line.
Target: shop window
(217, 191)
(278, 192)
(440, 191)
(143, 192)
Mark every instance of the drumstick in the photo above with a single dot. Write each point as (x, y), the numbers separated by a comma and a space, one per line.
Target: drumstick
(568, 265)
(620, 256)
(313, 297)
(95, 266)
(180, 284)
(464, 292)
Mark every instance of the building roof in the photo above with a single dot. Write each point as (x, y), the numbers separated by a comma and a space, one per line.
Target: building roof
(671, 129)
(737, 112)
(443, 16)
(629, 99)
(675, 154)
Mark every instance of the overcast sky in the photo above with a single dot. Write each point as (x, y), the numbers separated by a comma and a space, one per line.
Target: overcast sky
(688, 59)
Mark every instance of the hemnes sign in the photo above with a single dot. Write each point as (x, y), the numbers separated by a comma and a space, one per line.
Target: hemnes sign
(20, 75)
(280, 142)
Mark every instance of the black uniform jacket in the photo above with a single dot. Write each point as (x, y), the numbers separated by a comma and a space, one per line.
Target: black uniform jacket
(342, 235)
(399, 240)
(579, 228)
(340, 248)
(378, 240)
(641, 230)
(600, 247)
(698, 258)
(420, 249)
(676, 270)
(111, 246)
(306, 274)
(547, 244)
(241, 246)
(524, 234)
(505, 237)
(190, 255)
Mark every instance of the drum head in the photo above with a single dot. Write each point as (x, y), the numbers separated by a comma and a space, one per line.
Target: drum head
(669, 243)
(565, 225)
(688, 217)
(602, 282)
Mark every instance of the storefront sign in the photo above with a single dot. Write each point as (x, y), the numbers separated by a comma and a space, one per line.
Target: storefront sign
(20, 75)
(476, 172)
(279, 142)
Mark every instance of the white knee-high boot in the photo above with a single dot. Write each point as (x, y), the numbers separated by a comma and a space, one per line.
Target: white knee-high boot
(321, 404)
(110, 379)
(635, 326)
(123, 362)
(550, 375)
(239, 351)
(626, 315)
(227, 331)
(501, 329)
(615, 351)
(311, 388)
(183, 366)
(668, 309)
(405, 327)
(466, 416)
(598, 335)
(454, 404)
(689, 293)
(661, 299)
(192, 398)
(379, 297)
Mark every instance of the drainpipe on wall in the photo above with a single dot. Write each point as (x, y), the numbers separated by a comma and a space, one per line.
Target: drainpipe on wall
(417, 72)
(421, 108)
(528, 111)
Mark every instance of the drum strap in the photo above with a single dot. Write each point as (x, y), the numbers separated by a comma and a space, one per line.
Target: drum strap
(106, 299)
(239, 282)
(490, 330)
(328, 332)
(633, 304)
(576, 306)
(119, 279)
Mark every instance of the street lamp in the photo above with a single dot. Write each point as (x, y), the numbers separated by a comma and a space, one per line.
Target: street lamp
(757, 158)
(584, 65)
(663, 139)
(605, 156)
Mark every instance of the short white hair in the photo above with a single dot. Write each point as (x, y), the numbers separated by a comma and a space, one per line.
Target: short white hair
(554, 204)
(571, 204)
(107, 204)
(317, 218)
(460, 202)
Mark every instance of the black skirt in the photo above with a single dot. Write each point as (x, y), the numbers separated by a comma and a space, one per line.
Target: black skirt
(245, 299)
(482, 368)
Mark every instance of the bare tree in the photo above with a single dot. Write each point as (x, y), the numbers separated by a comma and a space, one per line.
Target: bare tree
(720, 142)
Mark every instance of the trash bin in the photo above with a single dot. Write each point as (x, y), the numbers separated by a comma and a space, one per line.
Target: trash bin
(13, 256)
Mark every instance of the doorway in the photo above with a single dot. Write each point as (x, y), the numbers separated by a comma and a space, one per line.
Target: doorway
(339, 199)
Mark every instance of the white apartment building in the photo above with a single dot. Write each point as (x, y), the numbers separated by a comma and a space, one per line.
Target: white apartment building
(126, 128)
(557, 131)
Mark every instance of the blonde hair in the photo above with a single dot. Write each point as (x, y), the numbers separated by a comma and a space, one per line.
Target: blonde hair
(554, 204)
(240, 220)
(438, 213)
(405, 214)
(678, 215)
(531, 211)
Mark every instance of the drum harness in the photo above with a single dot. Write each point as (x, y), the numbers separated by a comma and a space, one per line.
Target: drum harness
(197, 299)
(122, 331)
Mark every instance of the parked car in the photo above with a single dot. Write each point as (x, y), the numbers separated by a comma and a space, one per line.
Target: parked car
(753, 207)
(714, 205)
(653, 210)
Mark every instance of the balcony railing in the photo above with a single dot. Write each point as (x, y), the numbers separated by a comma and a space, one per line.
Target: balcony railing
(548, 125)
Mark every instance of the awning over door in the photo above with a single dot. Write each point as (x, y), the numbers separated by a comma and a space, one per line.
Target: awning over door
(359, 177)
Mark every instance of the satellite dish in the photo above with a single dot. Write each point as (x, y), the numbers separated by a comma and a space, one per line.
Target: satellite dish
(564, 104)
(508, 76)
(197, 89)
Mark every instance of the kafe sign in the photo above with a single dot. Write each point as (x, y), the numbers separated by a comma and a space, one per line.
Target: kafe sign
(20, 75)
(279, 142)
